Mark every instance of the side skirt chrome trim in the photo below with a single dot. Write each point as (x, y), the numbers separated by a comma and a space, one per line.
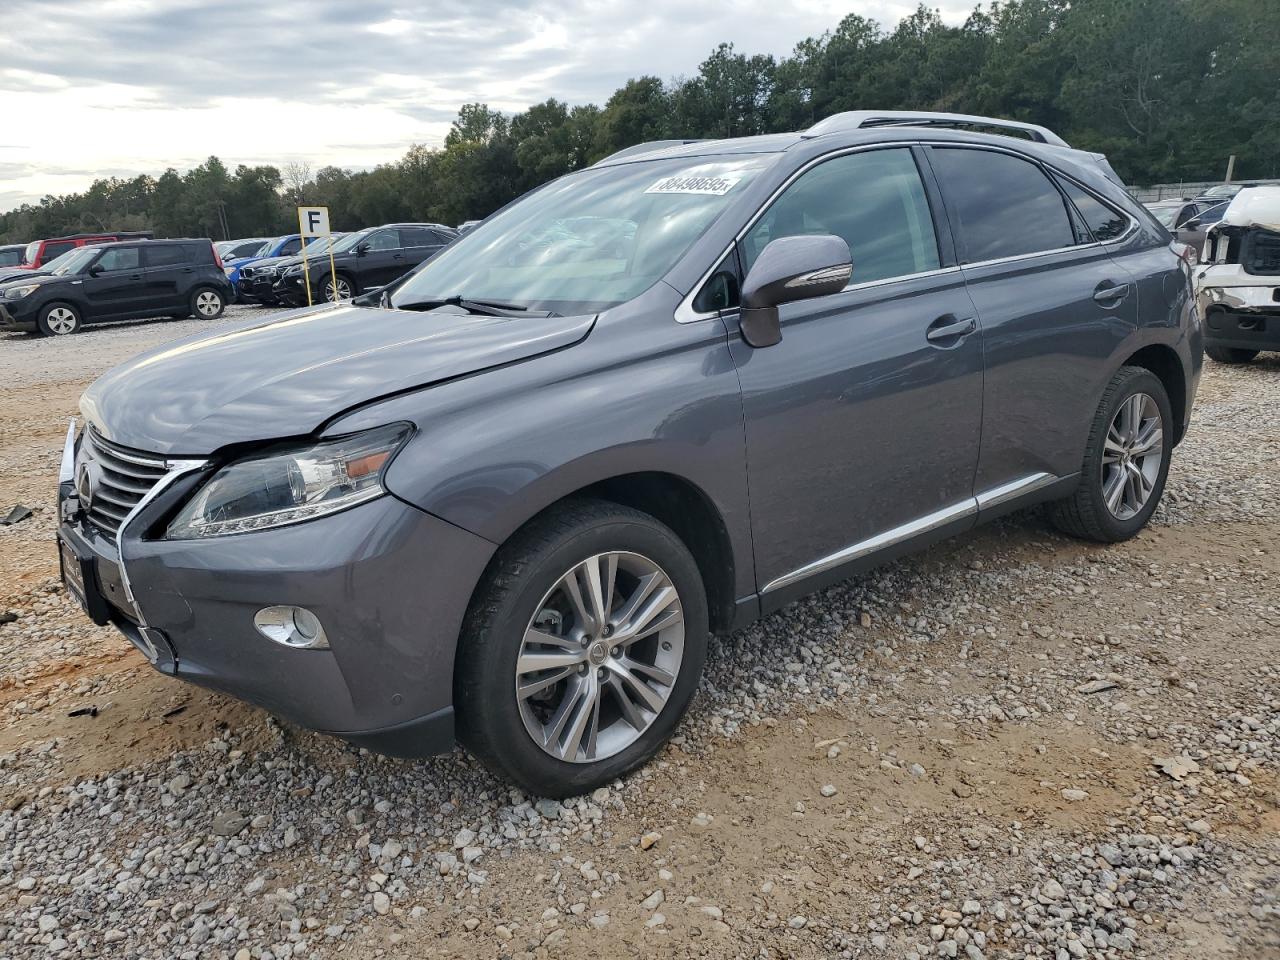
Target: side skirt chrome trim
(1014, 489)
(930, 521)
(921, 525)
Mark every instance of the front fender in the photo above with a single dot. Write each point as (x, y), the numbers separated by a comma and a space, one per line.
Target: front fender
(640, 394)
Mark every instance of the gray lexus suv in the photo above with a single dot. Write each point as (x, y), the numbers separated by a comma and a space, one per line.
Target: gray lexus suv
(508, 500)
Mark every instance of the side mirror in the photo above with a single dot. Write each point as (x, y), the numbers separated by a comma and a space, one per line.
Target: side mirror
(95, 270)
(790, 269)
(362, 250)
(1192, 224)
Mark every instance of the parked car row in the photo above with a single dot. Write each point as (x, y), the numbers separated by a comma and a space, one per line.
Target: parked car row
(103, 277)
(1190, 220)
(349, 265)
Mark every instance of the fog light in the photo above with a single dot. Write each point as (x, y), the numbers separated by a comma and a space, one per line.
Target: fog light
(292, 626)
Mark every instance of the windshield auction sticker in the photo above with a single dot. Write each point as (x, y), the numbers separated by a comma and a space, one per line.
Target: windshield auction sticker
(690, 181)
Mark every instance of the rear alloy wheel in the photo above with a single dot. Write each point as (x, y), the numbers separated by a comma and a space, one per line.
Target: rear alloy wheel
(1126, 461)
(59, 320)
(1230, 354)
(582, 648)
(343, 287)
(207, 304)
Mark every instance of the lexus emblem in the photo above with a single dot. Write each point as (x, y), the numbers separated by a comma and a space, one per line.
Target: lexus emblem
(86, 480)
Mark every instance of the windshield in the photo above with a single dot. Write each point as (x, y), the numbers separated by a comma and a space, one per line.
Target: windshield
(320, 245)
(73, 261)
(588, 241)
(1166, 215)
(33, 250)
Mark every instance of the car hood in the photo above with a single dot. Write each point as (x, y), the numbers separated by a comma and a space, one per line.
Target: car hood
(286, 376)
(9, 274)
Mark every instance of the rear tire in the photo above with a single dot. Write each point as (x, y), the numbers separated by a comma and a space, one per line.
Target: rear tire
(207, 303)
(59, 320)
(1232, 355)
(1121, 481)
(619, 688)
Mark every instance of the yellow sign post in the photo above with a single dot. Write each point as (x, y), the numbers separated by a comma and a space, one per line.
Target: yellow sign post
(313, 222)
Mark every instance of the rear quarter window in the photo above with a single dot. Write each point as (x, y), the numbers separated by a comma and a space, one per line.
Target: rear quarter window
(1103, 221)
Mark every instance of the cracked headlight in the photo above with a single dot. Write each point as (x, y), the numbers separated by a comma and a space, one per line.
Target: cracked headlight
(289, 485)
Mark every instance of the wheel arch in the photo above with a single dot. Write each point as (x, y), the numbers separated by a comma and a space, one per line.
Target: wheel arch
(682, 506)
(1163, 361)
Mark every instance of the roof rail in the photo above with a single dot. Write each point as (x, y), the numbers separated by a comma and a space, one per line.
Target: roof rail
(639, 148)
(860, 119)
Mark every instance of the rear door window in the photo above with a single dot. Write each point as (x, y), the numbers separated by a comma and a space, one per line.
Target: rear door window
(874, 200)
(165, 254)
(416, 237)
(1006, 206)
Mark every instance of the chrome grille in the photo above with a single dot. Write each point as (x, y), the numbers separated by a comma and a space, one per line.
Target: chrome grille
(122, 477)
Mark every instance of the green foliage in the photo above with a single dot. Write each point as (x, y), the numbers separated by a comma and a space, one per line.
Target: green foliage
(1167, 88)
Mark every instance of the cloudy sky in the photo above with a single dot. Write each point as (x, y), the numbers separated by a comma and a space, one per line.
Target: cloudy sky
(95, 88)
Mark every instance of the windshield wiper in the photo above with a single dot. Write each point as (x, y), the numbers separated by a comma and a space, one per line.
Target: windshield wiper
(488, 308)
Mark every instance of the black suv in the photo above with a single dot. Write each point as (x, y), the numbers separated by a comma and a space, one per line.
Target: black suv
(362, 261)
(118, 281)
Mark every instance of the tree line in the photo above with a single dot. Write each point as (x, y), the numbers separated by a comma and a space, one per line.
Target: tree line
(1168, 89)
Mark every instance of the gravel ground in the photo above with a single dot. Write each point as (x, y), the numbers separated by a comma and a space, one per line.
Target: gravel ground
(1011, 745)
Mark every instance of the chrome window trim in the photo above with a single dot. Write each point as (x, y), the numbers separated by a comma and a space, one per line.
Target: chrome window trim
(969, 507)
(685, 313)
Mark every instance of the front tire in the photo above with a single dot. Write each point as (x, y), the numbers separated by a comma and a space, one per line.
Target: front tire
(1233, 355)
(344, 288)
(59, 320)
(1126, 461)
(583, 647)
(207, 303)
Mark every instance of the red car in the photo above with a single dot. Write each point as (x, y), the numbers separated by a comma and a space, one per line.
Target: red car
(40, 252)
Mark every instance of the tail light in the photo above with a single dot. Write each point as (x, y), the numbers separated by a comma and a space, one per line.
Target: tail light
(216, 259)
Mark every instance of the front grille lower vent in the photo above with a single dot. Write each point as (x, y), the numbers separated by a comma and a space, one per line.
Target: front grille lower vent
(119, 479)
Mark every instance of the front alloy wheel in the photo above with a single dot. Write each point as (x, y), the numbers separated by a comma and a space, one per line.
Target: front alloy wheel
(60, 321)
(337, 290)
(582, 648)
(600, 657)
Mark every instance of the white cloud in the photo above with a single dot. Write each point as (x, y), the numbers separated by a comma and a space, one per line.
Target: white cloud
(156, 83)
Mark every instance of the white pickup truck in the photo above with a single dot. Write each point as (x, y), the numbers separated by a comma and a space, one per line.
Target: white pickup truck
(1238, 280)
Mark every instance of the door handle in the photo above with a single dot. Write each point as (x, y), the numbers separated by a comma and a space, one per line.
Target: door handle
(947, 326)
(135, 276)
(1108, 292)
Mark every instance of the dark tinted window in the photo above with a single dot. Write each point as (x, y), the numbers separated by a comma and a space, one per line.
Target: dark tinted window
(1212, 214)
(1006, 206)
(165, 254)
(443, 236)
(416, 237)
(52, 250)
(1103, 222)
(291, 247)
(873, 200)
(120, 258)
(11, 258)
